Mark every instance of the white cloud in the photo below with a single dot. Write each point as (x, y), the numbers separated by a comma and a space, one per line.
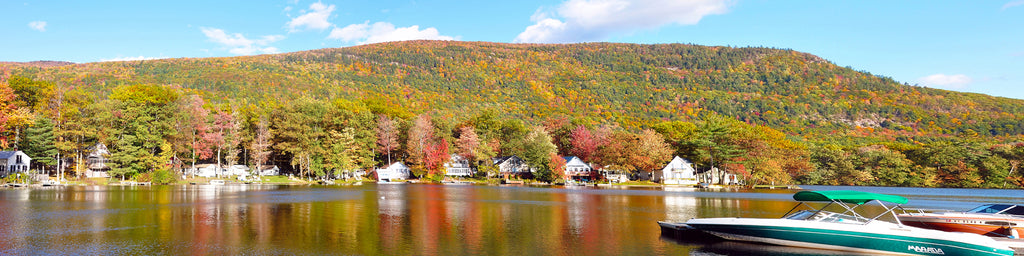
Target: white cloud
(130, 58)
(593, 20)
(237, 43)
(38, 25)
(946, 81)
(366, 33)
(351, 32)
(1013, 4)
(315, 18)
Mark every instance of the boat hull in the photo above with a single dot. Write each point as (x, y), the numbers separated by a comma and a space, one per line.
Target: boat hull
(978, 224)
(874, 239)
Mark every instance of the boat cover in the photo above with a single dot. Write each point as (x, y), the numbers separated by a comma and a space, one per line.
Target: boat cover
(846, 196)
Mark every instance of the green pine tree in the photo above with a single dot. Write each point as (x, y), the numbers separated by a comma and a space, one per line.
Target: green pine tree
(39, 144)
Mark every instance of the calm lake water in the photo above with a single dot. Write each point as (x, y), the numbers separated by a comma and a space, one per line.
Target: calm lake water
(410, 219)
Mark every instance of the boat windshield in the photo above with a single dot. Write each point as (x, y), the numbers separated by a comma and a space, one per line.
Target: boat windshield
(826, 216)
(999, 209)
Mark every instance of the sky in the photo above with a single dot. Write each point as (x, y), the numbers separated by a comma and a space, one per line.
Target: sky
(969, 46)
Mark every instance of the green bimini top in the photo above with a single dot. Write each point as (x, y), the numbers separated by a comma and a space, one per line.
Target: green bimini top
(846, 196)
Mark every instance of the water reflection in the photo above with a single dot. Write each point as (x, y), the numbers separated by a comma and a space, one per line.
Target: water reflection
(386, 219)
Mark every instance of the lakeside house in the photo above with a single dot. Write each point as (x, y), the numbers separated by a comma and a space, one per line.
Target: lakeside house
(14, 162)
(614, 175)
(512, 166)
(395, 171)
(206, 170)
(237, 170)
(270, 170)
(719, 176)
(349, 174)
(96, 162)
(577, 170)
(679, 172)
(457, 166)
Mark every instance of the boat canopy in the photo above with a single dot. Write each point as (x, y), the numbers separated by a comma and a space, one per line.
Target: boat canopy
(846, 196)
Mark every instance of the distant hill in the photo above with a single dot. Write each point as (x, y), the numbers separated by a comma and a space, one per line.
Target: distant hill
(630, 84)
(38, 64)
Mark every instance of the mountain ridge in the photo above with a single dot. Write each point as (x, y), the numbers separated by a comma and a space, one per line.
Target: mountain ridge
(631, 84)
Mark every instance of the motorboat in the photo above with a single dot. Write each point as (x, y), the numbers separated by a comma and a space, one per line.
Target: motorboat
(995, 220)
(217, 182)
(845, 224)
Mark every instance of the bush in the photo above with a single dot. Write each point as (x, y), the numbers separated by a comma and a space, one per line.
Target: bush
(163, 176)
(434, 177)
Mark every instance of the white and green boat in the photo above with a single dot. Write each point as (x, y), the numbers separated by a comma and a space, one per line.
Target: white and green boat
(849, 230)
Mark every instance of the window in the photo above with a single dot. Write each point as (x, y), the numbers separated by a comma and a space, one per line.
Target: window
(1016, 210)
(17, 159)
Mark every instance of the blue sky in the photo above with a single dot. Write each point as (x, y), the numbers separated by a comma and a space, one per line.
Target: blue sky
(971, 46)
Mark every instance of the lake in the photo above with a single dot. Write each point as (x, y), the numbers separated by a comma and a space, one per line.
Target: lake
(398, 219)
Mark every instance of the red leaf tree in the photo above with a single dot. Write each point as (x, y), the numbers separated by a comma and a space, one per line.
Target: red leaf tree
(436, 155)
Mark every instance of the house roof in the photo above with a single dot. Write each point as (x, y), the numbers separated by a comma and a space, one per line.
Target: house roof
(456, 157)
(501, 159)
(397, 165)
(7, 154)
(98, 150)
(678, 162)
(569, 159)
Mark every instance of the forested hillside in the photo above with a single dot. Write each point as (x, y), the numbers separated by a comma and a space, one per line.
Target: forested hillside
(844, 126)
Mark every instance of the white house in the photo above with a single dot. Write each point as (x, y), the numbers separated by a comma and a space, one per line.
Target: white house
(395, 171)
(96, 162)
(14, 162)
(719, 176)
(512, 166)
(576, 169)
(349, 174)
(270, 170)
(237, 170)
(614, 175)
(207, 170)
(679, 171)
(457, 166)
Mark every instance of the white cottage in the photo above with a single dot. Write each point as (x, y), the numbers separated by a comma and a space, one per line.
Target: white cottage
(270, 170)
(679, 172)
(719, 176)
(349, 174)
(207, 170)
(614, 175)
(576, 169)
(394, 172)
(14, 162)
(512, 166)
(457, 166)
(237, 170)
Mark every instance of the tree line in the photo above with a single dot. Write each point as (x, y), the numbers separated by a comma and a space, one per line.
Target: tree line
(154, 132)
